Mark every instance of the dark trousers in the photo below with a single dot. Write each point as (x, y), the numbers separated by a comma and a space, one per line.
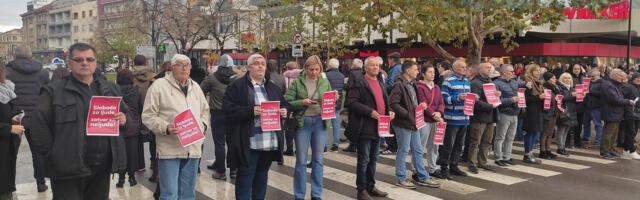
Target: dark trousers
(609, 137)
(480, 143)
(289, 136)
(219, 140)
(37, 160)
(152, 148)
(577, 133)
(368, 150)
(95, 186)
(630, 129)
(465, 147)
(450, 150)
(251, 181)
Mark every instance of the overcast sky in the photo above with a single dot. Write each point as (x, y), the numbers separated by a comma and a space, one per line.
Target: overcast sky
(10, 14)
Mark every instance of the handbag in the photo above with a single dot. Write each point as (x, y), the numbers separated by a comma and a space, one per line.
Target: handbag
(145, 134)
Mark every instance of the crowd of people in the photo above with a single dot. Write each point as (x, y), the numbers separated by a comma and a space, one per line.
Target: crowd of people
(52, 114)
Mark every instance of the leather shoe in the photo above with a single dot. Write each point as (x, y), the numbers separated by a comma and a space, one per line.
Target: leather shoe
(500, 163)
(42, 187)
(488, 168)
(473, 169)
(377, 193)
(363, 195)
(456, 171)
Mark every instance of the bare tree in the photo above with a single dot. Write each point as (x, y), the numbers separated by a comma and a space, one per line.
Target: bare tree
(184, 24)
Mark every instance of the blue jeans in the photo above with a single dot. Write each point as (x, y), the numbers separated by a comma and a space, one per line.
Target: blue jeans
(592, 115)
(519, 131)
(368, 150)
(312, 132)
(251, 182)
(409, 139)
(335, 123)
(178, 178)
(530, 141)
(218, 121)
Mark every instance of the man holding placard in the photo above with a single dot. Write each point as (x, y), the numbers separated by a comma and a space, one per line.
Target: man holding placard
(251, 147)
(509, 110)
(368, 104)
(78, 162)
(404, 101)
(177, 112)
(484, 118)
(454, 91)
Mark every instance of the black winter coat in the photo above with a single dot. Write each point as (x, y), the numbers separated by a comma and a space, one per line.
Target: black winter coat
(570, 115)
(630, 91)
(613, 103)
(131, 97)
(593, 100)
(354, 74)
(483, 112)
(361, 102)
(336, 80)
(59, 129)
(401, 103)
(533, 117)
(551, 113)
(238, 105)
(578, 80)
(29, 77)
(9, 144)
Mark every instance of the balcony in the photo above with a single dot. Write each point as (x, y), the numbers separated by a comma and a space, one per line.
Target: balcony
(60, 34)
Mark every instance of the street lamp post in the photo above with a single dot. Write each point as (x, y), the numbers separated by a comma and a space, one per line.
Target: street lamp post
(629, 35)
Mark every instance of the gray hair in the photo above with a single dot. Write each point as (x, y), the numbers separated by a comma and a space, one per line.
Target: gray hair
(614, 72)
(253, 57)
(380, 60)
(369, 59)
(594, 72)
(494, 61)
(457, 64)
(23, 52)
(333, 63)
(178, 57)
(504, 67)
(357, 63)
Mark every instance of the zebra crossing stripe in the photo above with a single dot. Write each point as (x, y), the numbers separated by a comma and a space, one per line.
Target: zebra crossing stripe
(493, 177)
(577, 150)
(214, 188)
(448, 185)
(285, 183)
(577, 157)
(554, 163)
(349, 178)
(531, 170)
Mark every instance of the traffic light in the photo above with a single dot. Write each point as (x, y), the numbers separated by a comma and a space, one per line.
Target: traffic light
(64, 55)
(162, 48)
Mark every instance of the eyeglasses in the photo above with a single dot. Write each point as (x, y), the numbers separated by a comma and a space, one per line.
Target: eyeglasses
(80, 60)
(183, 65)
(259, 63)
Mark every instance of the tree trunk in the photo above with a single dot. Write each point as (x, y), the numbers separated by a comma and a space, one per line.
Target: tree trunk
(474, 53)
(446, 55)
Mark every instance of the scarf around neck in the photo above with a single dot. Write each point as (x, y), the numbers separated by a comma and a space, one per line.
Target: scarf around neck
(6, 91)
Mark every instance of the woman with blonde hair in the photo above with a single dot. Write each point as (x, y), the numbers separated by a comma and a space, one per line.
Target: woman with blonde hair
(568, 118)
(305, 96)
(535, 99)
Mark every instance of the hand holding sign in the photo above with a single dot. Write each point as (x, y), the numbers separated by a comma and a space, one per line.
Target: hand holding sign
(270, 115)
(122, 119)
(188, 128)
(171, 129)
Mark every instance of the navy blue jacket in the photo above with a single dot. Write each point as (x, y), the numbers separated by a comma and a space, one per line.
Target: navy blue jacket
(508, 90)
(336, 80)
(613, 103)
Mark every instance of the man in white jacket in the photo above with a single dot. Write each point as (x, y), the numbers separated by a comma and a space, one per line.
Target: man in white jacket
(166, 98)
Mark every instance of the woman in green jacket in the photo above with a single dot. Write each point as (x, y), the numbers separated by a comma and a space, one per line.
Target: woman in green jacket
(305, 96)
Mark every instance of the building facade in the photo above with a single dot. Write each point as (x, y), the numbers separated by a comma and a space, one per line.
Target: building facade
(60, 25)
(9, 42)
(84, 21)
(35, 32)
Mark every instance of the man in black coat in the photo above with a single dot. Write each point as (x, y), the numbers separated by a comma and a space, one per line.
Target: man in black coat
(29, 77)
(613, 106)
(367, 100)
(631, 122)
(482, 122)
(355, 73)
(78, 165)
(592, 104)
(251, 150)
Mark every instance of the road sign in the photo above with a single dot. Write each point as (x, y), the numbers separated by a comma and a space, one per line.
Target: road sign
(296, 50)
(55, 60)
(297, 38)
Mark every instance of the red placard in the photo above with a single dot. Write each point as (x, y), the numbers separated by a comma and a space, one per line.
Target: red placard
(579, 93)
(547, 98)
(491, 94)
(469, 102)
(329, 105)
(586, 82)
(438, 136)
(100, 120)
(420, 116)
(384, 125)
(559, 102)
(189, 131)
(522, 103)
(270, 116)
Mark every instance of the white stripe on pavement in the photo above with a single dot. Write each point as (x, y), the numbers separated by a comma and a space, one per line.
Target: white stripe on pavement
(285, 183)
(576, 157)
(555, 163)
(448, 185)
(595, 151)
(493, 177)
(349, 178)
(530, 170)
(215, 188)
(28, 191)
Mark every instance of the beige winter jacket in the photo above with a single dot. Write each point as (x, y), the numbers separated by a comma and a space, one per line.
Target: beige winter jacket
(164, 101)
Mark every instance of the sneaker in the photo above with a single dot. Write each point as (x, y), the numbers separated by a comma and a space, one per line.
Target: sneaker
(218, 175)
(456, 171)
(500, 163)
(334, 148)
(562, 152)
(406, 184)
(510, 162)
(635, 155)
(551, 155)
(443, 174)
(473, 169)
(614, 154)
(543, 155)
(364, 195)
(309, 165)
(377, 193)
(427, 183)
(531, 160)
(607, 156)
(488, 168)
